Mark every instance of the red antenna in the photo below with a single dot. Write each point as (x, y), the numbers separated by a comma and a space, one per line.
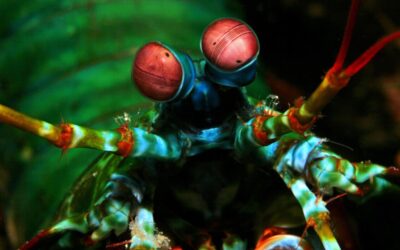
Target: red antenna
(337, 77)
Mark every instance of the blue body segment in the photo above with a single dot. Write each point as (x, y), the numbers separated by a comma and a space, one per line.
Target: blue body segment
(206, 116)
(208, 104)
(205, 97)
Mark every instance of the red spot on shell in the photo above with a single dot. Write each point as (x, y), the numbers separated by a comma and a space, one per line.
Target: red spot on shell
(157, 72)
(229, 44)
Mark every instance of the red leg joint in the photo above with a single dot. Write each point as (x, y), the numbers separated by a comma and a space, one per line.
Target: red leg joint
(65, 138)
(258, 129)
(296, 125)
(125, 145)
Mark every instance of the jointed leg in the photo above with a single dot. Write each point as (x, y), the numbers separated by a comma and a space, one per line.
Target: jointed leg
(124, 141)
(315, 212)
(269, 125)
(307, 161)
(327, 170)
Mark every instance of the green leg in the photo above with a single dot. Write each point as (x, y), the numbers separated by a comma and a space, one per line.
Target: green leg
(314, 210)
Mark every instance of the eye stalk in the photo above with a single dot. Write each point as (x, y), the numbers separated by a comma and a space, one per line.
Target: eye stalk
(229, 44)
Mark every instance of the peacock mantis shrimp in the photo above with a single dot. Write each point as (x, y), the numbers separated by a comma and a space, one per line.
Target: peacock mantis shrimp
(203, 115)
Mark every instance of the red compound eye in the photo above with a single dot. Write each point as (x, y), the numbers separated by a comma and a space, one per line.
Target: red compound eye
(157, 72)
(229, 44)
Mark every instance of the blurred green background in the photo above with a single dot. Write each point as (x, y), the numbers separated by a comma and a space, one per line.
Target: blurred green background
(71, 61)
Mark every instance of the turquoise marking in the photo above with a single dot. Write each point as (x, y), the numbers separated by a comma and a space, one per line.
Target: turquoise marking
(312, 207)
(117, 219)
(323, 153)
(329, 180)
(109, 141)
(245, 142)
(269, 153)
(298, 156)
(364, 171)
(155, 146)
(307, 199)
(211, 135)
(301, 152)
(145, 220)
(206, 139)
(247, 135)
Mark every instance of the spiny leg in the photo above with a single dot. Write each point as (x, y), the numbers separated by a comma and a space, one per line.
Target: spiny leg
(109, 213)
(115, 218)
(65, 135)
(268, 125)
(311, 159)
(329, 171)
(135, 142)
(290, 154)
(314, 209)
(124, 141)
(299, 160)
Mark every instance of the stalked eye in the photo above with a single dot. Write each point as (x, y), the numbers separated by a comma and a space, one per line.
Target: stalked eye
(157, 72)
(229, 44)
